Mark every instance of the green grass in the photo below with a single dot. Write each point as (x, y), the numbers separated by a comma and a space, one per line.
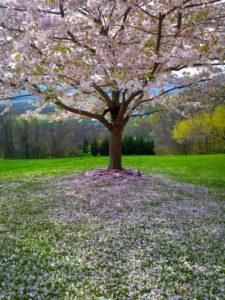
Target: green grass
(208, 170)
(73, 238)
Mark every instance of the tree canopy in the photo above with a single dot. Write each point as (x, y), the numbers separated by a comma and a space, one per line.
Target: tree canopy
(108, 60)
(82, 55)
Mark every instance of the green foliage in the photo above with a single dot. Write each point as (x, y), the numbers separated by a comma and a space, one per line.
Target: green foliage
(140, 145)
(94, 148)
(128, 146)
(38, 70)
(150, 76)
(61, 48)
(103, 147)
(203, 133)
(137, 145)
(201, 16)
(150, 43)
(149, 148)
(204, 48)
(85, 146)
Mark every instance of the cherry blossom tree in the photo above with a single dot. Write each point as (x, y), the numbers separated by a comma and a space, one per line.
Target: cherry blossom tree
(108, 59)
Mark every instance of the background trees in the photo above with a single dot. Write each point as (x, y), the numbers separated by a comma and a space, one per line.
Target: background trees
(94, 148)
(7, 145)
(203, 133)
(130, 145)
(103, 146)
(137, 145)
(40, 139)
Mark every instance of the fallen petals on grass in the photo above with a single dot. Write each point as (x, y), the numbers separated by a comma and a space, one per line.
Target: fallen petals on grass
(110, 174)
(101, 236)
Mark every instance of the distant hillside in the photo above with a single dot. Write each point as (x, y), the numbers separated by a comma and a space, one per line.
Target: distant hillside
(23, 103)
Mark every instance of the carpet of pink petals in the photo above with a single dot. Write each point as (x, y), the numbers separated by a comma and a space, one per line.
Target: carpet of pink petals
(112, 235)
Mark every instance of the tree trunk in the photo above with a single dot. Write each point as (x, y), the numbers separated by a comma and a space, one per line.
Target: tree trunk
(115, 149)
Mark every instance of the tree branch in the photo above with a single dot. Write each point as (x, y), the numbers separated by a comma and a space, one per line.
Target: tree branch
(102, 93)
(93, 51)
(125, 16)
(158, 43)
(168, 91)
(83, 113)
(38, 10)
(146, 12)
(126, 103)
(148, 113)
(202, 3)
(179, 68)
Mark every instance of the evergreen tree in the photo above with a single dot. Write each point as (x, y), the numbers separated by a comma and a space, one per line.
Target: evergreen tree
(128, 146)
(137, 146)
(140, 145)
(85, 146)
(103, 147)
(94, 148)
(149, 148)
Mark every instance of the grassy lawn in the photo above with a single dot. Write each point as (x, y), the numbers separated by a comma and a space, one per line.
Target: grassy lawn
(208, 170)
(67, 236)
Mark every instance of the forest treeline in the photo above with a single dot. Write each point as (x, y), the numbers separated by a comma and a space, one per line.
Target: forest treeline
(130, 145)
(40, 139)
(163, 133)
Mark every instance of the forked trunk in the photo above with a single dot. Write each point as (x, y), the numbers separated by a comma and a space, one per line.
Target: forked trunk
(115, 149)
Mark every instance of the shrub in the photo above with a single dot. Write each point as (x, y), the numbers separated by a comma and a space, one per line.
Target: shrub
(128, 145)
(137, 145)
(149, 148)
(94, 148)
(140, 146)
(85, 146)
(202, 133)
(103, 147)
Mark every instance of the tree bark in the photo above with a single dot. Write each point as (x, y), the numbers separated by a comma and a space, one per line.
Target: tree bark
(115, 149)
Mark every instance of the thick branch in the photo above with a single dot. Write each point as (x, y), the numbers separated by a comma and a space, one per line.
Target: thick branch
(84, 113)
(158, 43)
(179, 21)
(126, 103)
(104, 95)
